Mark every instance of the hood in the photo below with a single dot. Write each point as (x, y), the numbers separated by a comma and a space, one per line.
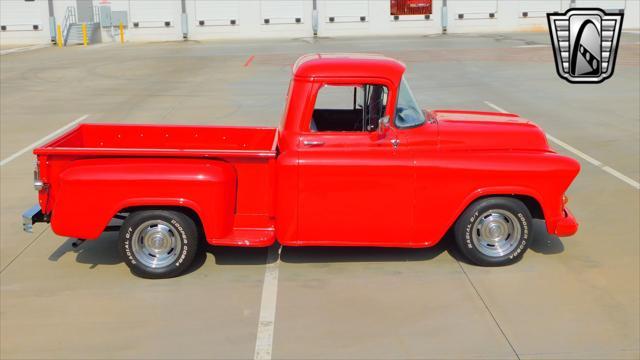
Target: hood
(477, 130)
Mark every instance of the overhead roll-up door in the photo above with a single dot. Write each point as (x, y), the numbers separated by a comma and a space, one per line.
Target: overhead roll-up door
(153, 13)
(540, 8)
(347, 11)
(217, 12)
(282, 11)
(606, 5)
(20, 15)
(473, 9)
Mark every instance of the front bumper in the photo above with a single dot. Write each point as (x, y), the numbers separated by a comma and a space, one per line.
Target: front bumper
(568, 225)
(32, 216)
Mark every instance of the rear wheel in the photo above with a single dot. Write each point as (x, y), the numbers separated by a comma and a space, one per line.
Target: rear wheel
(494, 231)
(158, 243)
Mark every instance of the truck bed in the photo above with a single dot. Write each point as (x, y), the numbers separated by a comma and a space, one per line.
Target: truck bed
(251, 151)
(164, 140)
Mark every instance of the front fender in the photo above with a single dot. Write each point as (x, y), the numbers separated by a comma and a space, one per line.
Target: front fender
(90, 192)
(448, 182)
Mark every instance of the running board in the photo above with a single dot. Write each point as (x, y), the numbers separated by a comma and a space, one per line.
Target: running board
(247, 237)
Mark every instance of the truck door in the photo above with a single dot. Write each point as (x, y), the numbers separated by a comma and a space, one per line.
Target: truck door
(356, 186)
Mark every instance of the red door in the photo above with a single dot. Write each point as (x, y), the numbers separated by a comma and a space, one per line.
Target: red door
(354, 190)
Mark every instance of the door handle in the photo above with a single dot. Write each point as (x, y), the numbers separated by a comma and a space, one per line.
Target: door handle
(395, 143)
(312, 143)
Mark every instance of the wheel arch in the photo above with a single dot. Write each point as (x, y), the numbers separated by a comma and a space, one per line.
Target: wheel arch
(532, 204)
(529, 197)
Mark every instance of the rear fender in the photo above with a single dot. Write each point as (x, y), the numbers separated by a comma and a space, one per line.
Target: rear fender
(90, 192)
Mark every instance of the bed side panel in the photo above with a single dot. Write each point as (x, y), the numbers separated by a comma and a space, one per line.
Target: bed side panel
(90, 192)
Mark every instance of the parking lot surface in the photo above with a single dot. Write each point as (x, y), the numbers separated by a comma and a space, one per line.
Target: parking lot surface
(578, 297)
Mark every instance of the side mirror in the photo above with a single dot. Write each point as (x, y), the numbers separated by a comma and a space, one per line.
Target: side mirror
(383, 127)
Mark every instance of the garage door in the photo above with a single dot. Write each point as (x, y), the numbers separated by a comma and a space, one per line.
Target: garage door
(470, 9)
(606, 5)
(16, 15)
(217, 12)
(347, 11)
(540, 8)
(282, 11)
(154, 13)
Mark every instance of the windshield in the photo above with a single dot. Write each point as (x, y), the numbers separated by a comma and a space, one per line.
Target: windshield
(408, 113)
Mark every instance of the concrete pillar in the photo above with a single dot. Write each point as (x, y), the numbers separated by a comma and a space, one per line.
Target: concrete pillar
(52, 22)
(314, 18)
(185, 24)
(444, 17)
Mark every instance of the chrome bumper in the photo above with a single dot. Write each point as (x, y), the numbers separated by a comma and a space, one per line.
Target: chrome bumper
(32, 216)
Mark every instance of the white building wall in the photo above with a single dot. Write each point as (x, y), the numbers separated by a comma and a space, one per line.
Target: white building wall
(161, 20)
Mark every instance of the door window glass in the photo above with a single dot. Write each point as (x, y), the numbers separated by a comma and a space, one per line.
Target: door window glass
(353, 108)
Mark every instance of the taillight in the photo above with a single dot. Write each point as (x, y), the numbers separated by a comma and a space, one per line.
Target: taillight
(37, 182)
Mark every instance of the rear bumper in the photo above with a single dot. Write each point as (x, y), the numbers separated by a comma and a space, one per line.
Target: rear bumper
(32, 216)
(567, 226)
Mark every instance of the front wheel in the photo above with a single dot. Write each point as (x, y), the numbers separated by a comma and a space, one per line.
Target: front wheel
(494, 231)
(158, 244)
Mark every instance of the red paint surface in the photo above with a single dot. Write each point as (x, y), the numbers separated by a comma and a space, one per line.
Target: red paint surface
(249, 60)
(251, 185)
(411, 7)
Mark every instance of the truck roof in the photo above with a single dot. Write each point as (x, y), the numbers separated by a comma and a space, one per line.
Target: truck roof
(348, 65)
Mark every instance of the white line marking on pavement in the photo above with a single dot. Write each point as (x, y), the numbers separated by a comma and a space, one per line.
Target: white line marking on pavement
(24, 249)
(39, 142)
(588, 158)
(496, 107)
(264, 338)
(622, 177)
(23, 49)
(584, 156)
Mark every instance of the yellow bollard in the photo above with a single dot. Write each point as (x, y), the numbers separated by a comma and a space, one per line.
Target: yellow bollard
(60, 40)
(121, 33)
(84, 34)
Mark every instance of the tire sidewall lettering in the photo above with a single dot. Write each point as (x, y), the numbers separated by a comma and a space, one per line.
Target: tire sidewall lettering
(467, 236)
(185, 241)
(127, 246)
(524, 237)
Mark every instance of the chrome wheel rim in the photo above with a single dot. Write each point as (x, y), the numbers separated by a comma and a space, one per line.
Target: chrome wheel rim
(496, 233)
(156, 243)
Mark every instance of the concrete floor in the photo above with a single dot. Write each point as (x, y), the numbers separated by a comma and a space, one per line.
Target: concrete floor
(578, 297)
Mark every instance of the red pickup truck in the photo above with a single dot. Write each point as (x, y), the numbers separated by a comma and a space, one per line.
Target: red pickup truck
(355, 162)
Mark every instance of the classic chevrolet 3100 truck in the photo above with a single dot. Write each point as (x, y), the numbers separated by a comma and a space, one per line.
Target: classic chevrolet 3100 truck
(355, 162)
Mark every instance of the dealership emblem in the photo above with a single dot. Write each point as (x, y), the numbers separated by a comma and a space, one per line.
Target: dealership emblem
(585, 43)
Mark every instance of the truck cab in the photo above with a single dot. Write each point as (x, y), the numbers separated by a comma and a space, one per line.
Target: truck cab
(355, 162)
(352, 166)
